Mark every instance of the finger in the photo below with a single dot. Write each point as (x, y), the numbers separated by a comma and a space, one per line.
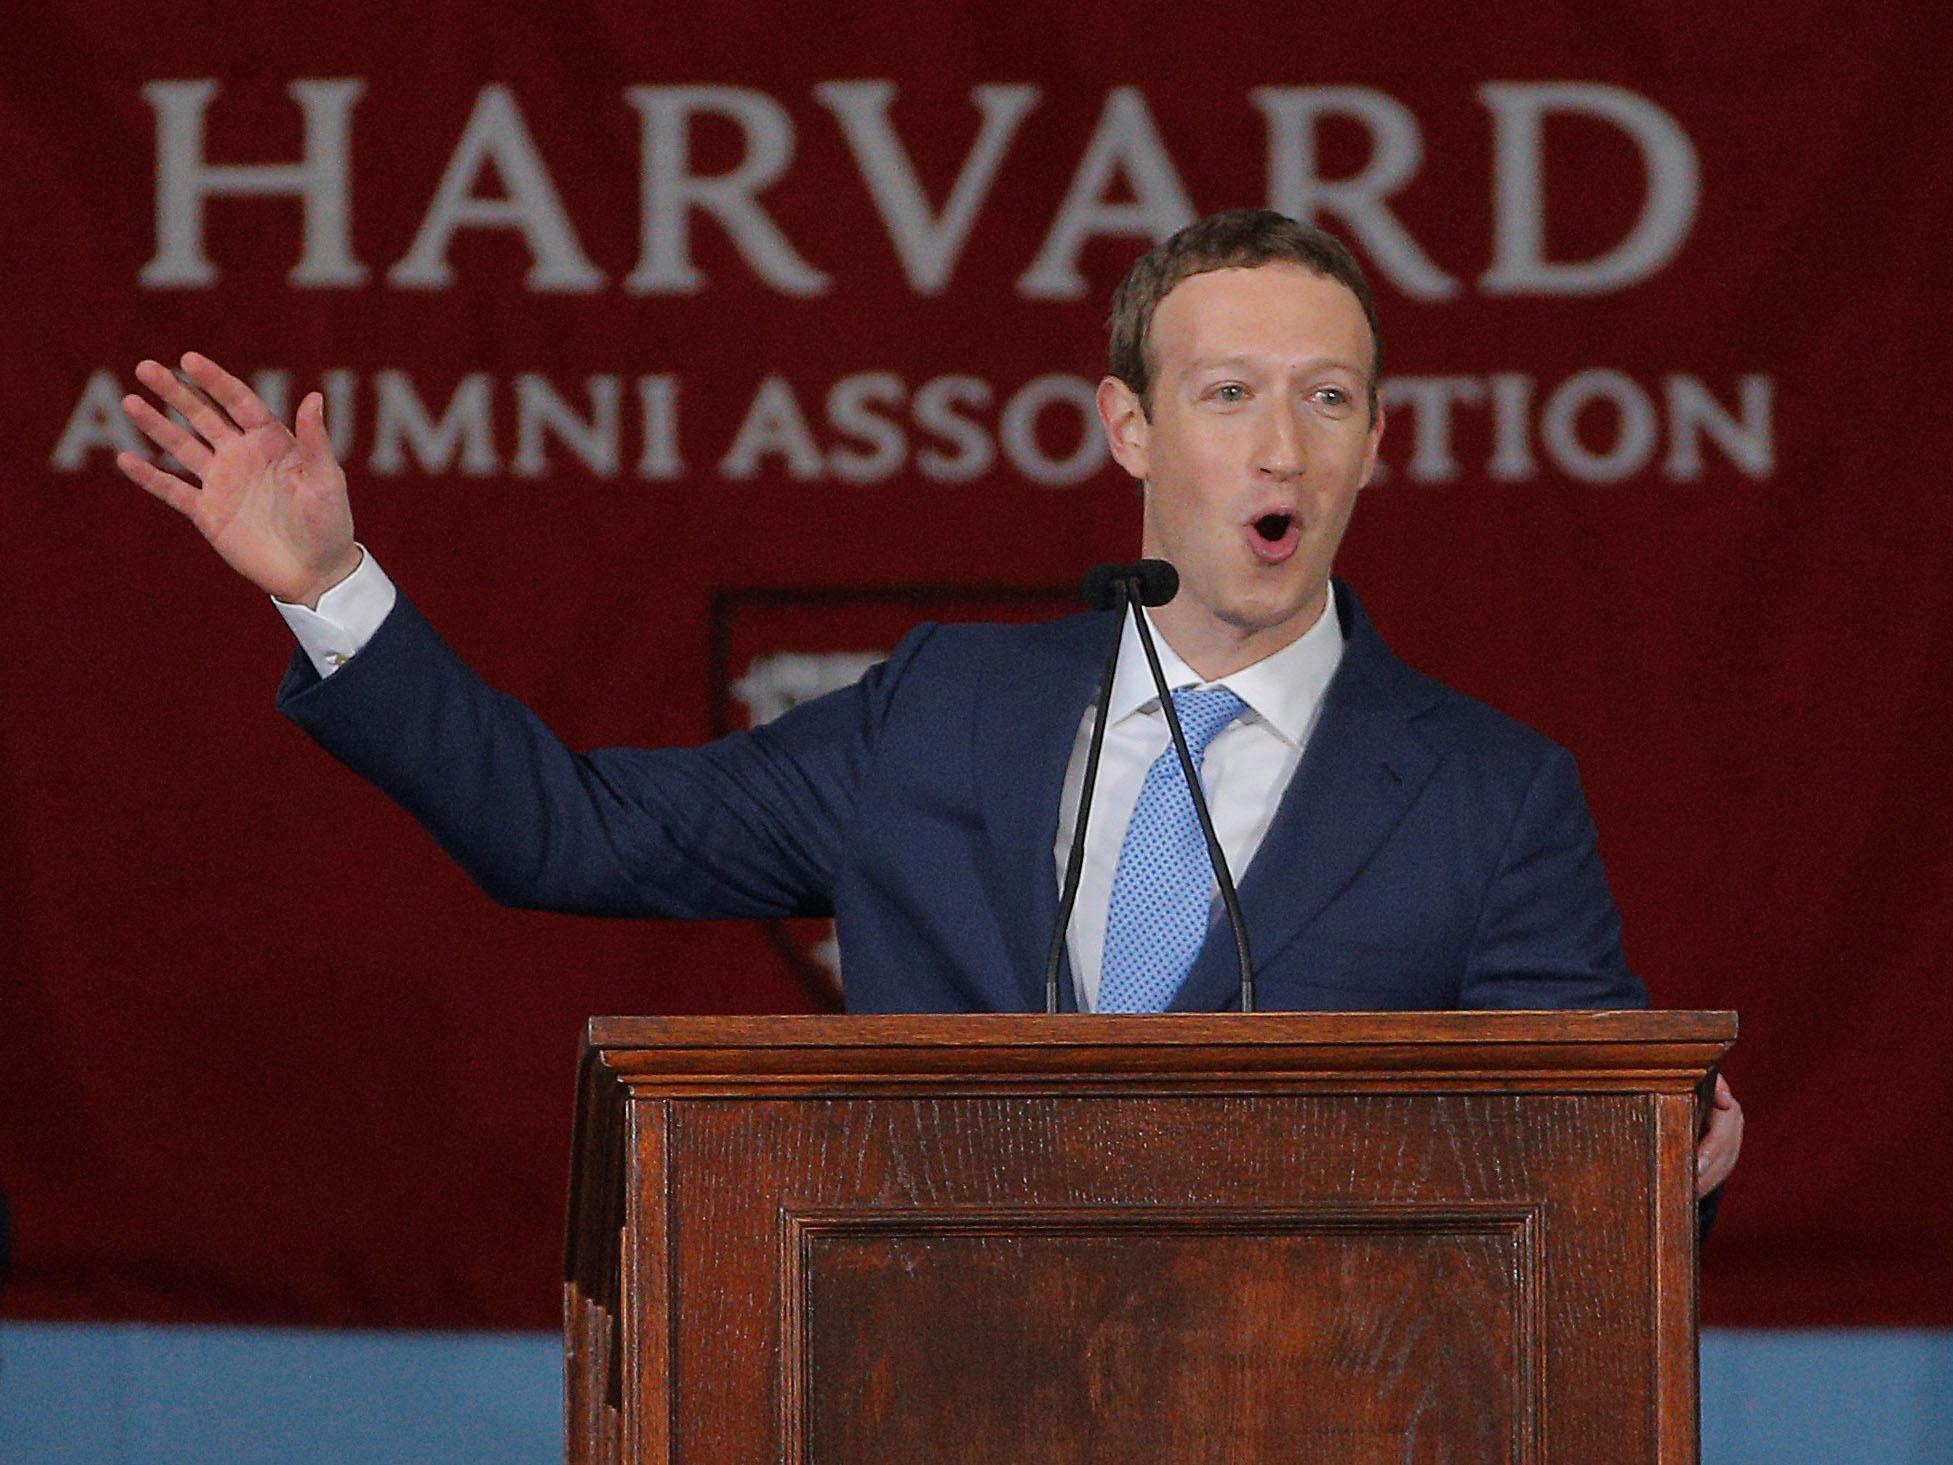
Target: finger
(246, 407)
(166, 486)
(1717, 1152)
(1724, 1098)
(1713, 1172)
(314, 445)
(1708, 1166)
(195, 408)
(180, 443)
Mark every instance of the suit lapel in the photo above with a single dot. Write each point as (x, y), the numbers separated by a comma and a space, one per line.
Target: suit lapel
(1362, 769)
(1026, 723)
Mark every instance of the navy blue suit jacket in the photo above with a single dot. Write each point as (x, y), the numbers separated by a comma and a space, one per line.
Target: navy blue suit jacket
(1430, 853)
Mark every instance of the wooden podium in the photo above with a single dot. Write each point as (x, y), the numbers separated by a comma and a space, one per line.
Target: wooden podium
(1345, 1238)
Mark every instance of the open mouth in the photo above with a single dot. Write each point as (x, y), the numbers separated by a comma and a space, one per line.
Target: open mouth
(1273, 537)
(1274, 527)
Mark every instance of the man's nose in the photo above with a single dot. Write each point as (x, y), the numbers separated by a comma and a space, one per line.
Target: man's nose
(1282, 449)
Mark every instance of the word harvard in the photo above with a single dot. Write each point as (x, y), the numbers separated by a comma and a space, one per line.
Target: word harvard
(1125, 184)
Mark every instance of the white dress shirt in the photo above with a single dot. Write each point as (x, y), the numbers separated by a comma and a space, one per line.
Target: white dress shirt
(348, 615)
(1248, 765)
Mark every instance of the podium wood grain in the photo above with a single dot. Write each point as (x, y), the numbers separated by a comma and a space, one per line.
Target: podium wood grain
(1334, 1237)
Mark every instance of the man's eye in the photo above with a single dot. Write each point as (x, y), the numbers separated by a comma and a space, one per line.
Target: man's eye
(1230, 392)
(1333, 396)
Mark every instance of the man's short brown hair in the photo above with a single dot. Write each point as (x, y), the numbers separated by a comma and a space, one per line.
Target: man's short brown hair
(1236, 239)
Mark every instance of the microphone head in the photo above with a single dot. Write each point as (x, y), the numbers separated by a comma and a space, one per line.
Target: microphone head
(1104, 586)
(1158, 581)
(1150, 582)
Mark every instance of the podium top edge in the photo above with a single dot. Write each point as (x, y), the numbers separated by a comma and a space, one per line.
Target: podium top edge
(1103, 1033)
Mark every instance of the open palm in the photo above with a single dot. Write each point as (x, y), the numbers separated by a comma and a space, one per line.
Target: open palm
(271, 502)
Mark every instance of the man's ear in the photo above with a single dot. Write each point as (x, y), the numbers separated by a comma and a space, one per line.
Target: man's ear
(1126, 427)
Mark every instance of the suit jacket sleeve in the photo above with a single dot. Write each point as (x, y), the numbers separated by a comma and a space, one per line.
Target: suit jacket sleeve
(1548, 934)
(749, 826)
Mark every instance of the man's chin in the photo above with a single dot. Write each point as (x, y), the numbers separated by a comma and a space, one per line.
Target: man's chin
(1271, 615)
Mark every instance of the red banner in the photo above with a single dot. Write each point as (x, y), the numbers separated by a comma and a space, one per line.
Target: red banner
(678, 363)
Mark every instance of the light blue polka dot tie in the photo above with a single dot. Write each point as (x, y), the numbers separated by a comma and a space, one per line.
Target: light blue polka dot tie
(1163, 888)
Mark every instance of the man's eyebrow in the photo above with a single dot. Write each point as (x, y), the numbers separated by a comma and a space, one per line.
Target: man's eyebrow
(1313, 363)
(1206, 363)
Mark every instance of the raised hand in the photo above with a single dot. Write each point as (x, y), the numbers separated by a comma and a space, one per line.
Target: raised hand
(272, 504)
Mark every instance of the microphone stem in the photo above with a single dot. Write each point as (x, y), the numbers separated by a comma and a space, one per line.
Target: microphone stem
(1075, 860)
(1226, 882)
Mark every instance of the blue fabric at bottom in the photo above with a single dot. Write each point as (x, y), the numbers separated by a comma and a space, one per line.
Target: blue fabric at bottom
(111, 1394)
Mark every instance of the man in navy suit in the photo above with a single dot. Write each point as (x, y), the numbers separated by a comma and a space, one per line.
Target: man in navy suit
(1403, 845)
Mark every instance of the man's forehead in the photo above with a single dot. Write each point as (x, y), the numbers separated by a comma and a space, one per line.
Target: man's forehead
(1280, 308)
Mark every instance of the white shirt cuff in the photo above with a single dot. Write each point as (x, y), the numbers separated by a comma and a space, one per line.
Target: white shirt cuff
(348, 615)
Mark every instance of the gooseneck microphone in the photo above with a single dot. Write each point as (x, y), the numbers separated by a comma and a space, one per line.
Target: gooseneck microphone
(1106, 587)
(1115, 587)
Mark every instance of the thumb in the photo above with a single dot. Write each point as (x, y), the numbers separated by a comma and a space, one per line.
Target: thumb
(314, 447)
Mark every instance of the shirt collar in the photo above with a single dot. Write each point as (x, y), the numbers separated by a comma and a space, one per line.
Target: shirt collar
(1283, 690)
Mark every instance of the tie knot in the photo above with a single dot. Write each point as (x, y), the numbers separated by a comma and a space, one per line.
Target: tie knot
(1204, 714)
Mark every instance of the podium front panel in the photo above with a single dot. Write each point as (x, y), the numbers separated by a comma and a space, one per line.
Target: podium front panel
(1181, 1278)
